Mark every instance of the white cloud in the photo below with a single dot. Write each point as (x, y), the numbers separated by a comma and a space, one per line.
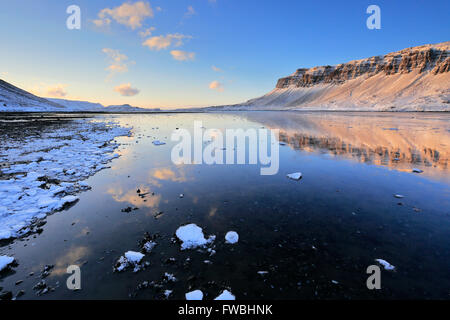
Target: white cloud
(118, 62)
(147, 32)
(182, 55)
(216, 85)
(57, 91)
(216, 69)
(190, 12)
(129, 14)
(164, 42)
(126, 90)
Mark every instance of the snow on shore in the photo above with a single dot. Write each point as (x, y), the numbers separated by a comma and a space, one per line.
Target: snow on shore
(43, 171)
(5, 261)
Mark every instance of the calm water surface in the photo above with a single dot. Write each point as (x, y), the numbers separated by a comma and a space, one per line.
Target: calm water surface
(314, 237)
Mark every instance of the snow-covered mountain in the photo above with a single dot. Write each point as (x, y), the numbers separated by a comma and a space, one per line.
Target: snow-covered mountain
(413, 79)
(14, 99)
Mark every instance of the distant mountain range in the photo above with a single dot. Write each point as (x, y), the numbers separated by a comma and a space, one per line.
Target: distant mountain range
(413, 79)
(14, 99)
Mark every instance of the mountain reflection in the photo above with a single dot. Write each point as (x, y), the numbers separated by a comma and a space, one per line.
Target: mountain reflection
(398, 141)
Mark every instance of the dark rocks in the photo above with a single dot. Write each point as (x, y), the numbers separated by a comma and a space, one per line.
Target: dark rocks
(7, 295)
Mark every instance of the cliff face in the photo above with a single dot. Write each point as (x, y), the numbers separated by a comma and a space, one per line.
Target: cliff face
(421, 59)
(413, 79)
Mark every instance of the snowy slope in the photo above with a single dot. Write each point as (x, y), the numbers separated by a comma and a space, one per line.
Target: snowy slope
(84, 106)
(73, 105)
(13, 99)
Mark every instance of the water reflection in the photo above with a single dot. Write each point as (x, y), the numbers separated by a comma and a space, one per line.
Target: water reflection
(398, 141)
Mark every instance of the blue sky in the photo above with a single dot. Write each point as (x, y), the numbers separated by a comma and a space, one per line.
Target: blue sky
(173, 53)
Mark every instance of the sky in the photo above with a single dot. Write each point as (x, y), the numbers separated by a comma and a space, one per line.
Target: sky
(185, 53)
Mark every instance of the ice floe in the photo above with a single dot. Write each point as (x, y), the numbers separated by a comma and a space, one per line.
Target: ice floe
(192, 237)
(129, 259)
(158, 143)
(231, 237)
(5, 261)
(45, 171)
(386, 265)
(194, 295)
(169, 277)
(295, 176)
(148, 246)
(226, 295)
(167, 293)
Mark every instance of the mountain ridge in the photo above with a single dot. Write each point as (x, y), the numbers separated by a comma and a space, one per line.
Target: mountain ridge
(412, 79)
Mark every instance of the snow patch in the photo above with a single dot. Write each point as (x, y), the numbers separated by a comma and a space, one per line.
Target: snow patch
(45, 171)
(192, 237)
(5, 261)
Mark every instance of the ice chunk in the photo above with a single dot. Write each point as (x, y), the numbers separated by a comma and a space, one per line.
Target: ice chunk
(232, 237)
(170, 277)
(158, 143)
(134, 257)
(194, 295)
(295, 176)
(148, 246)
(226, 295)
(167, 293)
(386, 265)
(130, 258)
(192, 237)
(5, 261)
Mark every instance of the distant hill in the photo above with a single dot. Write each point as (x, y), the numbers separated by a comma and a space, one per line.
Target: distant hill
(14, 99)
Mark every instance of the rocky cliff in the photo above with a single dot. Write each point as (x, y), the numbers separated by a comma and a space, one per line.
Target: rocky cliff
(413, 79)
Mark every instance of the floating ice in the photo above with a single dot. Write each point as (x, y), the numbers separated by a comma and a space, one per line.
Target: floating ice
(158, 143)
(167, 293)
(5, 261)
(226, 295)
(170, 277)
(386, 265)
(295, 176)
(130, 258)
(148, 246)
(194, 295)
(192, 237)
(232, 237)
(262, 273)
